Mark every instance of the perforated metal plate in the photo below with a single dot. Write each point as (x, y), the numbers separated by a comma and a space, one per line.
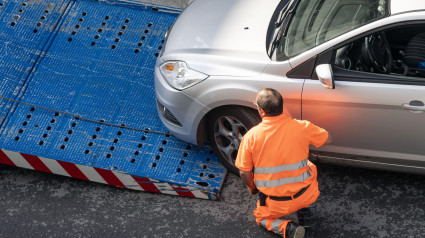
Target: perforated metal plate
(25, 28)
(94, 60)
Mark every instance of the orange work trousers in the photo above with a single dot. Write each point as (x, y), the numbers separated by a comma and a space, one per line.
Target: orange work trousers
(268, 216)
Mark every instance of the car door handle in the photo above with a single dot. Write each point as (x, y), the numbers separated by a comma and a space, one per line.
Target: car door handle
(414, 106)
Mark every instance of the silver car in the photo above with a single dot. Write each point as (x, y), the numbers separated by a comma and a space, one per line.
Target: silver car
(353, 67)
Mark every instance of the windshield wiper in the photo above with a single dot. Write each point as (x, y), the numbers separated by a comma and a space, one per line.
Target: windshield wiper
(288, 17)
(284, 19)
(282, 14)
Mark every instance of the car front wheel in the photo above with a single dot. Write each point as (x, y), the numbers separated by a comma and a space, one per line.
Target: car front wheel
(226, 127)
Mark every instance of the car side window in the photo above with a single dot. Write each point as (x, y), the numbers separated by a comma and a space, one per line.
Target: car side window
(396, 55)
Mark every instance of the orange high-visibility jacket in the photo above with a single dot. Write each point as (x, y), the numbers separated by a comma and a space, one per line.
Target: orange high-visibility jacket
(276, 150)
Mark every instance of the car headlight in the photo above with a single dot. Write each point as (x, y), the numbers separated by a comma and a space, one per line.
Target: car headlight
(179, 76)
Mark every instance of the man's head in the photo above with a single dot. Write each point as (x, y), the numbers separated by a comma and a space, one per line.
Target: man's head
(270, 102)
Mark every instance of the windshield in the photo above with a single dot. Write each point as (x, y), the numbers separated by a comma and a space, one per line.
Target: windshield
(315, 22)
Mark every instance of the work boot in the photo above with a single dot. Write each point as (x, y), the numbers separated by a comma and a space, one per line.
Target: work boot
(293, 230)
(304, 217)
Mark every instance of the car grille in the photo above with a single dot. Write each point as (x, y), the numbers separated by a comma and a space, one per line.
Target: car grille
(167, 114)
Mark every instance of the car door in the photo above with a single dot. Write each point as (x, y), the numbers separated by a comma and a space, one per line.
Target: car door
(376, 117)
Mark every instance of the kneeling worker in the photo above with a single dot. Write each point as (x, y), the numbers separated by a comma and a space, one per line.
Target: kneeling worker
(273, 158)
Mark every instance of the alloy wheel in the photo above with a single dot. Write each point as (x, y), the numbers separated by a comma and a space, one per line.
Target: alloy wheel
(228, 133)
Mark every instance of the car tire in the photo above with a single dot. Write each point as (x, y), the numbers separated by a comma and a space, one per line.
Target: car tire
(226, 127)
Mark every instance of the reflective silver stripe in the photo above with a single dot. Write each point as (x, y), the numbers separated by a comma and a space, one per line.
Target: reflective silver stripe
(280, 168)
(275, 226)
(282, 181)
(263, 223)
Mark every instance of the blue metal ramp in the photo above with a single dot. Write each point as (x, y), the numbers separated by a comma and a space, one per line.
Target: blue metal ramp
(78, 88)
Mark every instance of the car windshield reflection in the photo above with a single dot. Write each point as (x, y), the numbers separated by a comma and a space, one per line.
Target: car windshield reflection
(315, 22)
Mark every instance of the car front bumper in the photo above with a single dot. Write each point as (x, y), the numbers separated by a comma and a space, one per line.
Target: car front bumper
(179, 113)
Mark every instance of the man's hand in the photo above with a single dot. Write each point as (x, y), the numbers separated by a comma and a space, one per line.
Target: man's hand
(253, 190)
(248, 179)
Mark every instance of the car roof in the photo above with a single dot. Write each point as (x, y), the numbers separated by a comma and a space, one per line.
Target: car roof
(400, 6)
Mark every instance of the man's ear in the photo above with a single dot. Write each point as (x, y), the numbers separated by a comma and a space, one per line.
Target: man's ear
(262, 112)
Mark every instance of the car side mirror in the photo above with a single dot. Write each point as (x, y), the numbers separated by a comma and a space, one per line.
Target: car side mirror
(325, 74)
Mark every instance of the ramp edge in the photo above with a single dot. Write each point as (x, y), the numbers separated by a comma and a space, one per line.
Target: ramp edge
(114, 178)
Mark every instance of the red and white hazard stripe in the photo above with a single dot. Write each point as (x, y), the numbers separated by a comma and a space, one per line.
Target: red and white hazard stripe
(104, 176)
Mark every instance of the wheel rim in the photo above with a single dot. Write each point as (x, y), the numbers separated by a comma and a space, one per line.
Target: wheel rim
(228, 133)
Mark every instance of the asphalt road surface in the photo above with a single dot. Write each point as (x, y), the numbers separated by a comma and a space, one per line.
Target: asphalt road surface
(353, 203)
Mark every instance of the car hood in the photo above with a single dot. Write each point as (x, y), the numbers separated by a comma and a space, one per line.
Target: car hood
(222, 37)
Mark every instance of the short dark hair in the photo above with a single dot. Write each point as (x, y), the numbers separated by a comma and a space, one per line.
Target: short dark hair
(270, 101)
